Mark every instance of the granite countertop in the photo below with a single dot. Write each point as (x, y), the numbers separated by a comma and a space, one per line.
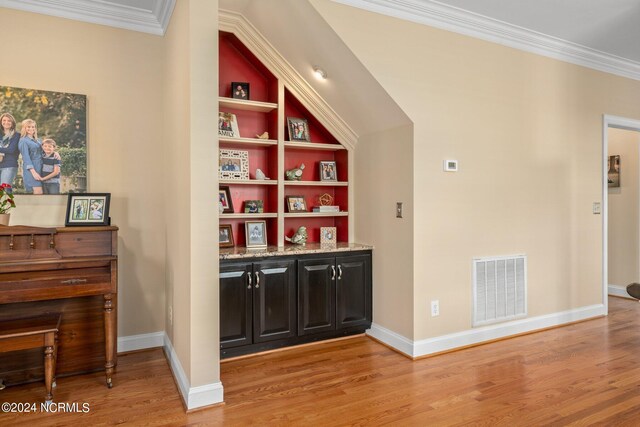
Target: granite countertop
(309, 248)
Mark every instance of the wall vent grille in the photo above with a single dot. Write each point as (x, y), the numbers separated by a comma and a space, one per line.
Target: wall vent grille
(499, 289)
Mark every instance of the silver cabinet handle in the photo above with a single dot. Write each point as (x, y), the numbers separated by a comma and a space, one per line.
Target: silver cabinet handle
(257, 280)
(73, 281)
(250, 281)
(339, 272)
(333, 272)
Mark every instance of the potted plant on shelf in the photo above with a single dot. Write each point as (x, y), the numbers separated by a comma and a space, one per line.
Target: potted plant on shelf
(6, 203)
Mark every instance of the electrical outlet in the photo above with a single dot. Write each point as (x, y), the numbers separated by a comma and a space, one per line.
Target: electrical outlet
(170, 315)
(435, 308)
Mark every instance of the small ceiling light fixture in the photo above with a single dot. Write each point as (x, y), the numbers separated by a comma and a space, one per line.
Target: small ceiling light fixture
(319, 73)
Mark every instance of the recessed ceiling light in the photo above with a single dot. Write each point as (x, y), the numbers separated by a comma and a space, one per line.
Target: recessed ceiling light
(319, 73)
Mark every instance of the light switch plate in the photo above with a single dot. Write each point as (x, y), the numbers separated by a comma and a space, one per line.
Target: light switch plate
(597, 210)
(451, 166)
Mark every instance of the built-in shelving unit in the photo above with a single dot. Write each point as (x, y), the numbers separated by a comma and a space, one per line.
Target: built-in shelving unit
(271, 101)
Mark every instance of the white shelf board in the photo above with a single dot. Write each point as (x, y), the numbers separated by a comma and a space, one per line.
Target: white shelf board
(313, 146)
(314, 214)
(318, 183)
(241, 104)
(247, 141)
(248, 215)
(249, 181)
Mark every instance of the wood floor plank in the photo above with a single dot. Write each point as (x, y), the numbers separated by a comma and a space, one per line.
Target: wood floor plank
(582, 374)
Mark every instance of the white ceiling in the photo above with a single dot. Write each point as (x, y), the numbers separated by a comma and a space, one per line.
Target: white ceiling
(600, 34)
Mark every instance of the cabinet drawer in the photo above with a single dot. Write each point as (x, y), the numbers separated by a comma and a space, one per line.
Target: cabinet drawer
(54, 284)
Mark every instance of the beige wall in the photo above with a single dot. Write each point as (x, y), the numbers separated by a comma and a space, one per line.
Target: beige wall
(119, 71)
(379, 184)
(624, 217)
(527, 132)
(191, 105)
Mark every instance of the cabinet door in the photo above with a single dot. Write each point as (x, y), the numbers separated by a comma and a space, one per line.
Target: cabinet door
(235, 305)
(353, 289)
(274, 300)
(316, 295)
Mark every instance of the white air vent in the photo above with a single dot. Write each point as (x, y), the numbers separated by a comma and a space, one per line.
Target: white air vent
(499, 289)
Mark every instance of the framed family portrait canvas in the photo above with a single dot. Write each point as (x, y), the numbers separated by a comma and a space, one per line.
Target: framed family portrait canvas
(88, 209)
(224, 198)
(228, 125)
(226, 236)
(298, 129)
(296, 204)
(256, 234)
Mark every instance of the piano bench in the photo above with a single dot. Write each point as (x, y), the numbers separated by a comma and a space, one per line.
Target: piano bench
(34, 332)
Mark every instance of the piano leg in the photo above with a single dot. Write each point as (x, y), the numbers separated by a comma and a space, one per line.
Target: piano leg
(109, 333)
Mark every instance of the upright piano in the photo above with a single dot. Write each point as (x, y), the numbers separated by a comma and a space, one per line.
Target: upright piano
(68, 270)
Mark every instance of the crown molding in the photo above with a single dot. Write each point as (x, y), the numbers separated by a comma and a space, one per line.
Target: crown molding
(153, 21)
(249, 35)
(435, 14)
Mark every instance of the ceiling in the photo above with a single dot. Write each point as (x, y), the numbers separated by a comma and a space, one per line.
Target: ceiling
(599, 34)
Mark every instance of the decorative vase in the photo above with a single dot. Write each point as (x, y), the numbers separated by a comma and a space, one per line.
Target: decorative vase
(4, 219)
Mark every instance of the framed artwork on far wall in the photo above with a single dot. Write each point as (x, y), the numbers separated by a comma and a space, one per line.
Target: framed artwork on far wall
(298, 129)
(88, 209)
(226, 236)
(256, 234)
(613, 174)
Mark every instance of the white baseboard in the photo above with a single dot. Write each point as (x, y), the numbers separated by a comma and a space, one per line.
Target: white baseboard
(618, 291)
(140, 342)
(482, 334)
(194, 397)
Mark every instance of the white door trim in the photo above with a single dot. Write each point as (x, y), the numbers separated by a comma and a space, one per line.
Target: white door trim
(609, 121)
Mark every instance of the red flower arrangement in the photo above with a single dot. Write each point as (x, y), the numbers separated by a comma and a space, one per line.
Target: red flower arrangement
(6, 198)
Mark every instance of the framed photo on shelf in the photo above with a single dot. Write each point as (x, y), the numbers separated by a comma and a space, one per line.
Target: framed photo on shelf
(224, 199)
(298, 129)
(328, 236)
(228, 125)
(253, 206)
(256, 234)
(226, 236)
(88, 209)
(328, 171)
(296, 204)
(240, 90)
(233, 164)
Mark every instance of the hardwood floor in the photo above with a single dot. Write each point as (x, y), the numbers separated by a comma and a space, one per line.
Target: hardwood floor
(583, 374)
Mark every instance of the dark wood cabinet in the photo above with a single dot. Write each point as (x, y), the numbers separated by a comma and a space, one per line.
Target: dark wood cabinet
(287, 300)
(257, 302)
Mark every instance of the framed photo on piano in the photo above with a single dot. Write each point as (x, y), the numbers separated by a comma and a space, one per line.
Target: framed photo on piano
(88, 209)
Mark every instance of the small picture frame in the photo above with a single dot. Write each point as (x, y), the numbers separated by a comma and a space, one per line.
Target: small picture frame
(328, 171)
(226, 236)
(88, 209)
(256, 234)
(298, 129)
(224, 199)
(613, 173)
(228, 125)
(253, 206)
(240, 90)
(296, 204)
(233, 164)
(328, 236)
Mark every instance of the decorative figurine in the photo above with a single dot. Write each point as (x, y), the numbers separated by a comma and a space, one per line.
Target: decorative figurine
(294, 174)
(265, 135)
(325, 199)
(299, 237)
(260, 175)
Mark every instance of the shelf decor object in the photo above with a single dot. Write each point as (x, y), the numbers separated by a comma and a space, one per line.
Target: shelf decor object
(240, 90)
(256, 234)
(328, 171)
(294, 174)
(299, 237)
(228, 125)
(233, 164)
(253, 206)
(298, 129)
(226, 236)
(328, 236)
(224, 198)
(296, 204)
